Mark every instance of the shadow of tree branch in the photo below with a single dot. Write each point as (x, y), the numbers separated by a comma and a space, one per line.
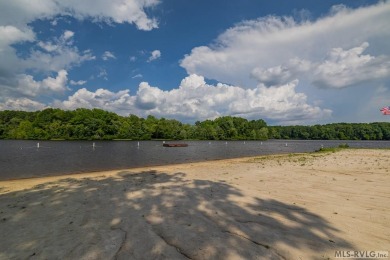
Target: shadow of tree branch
(155, 215)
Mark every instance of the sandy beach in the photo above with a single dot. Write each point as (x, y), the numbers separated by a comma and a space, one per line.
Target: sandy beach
(294, 206)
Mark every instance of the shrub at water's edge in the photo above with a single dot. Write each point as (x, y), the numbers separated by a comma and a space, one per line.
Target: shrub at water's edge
(332, 149)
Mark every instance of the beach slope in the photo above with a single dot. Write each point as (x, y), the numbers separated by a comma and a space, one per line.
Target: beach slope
(297, 206)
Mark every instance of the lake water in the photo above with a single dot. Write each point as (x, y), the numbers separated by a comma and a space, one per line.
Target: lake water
(23, 159)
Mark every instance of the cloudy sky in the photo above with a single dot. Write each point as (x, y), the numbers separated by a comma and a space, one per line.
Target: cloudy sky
(287, 62)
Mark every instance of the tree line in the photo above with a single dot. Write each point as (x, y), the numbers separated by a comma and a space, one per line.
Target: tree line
(97, 124)
(336, 131)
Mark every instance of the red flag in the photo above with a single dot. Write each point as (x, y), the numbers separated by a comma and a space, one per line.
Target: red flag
(385, 110)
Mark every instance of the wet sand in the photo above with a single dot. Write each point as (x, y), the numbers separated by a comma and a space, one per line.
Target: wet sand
(297, 206)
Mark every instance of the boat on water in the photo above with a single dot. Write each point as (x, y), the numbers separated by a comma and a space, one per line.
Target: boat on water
(175, 145)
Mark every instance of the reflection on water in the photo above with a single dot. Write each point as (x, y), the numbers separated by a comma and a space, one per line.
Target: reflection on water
(22, 159)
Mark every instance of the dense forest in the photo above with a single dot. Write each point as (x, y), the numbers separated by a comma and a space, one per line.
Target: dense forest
(97, 124)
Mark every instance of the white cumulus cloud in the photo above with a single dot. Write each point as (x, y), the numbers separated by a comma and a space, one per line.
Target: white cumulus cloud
(154, 55)
(103, 74)
(68, 35)
(10, 34)
(55, 55)
(344, 68)
(108, 55)
(340, 68)
(195, 100)
(101, 98)
(26, 85)
(24, 104)
(19, 73)
(77, 83)
(48, 57)
(24, 88)
(115, 11)
(262, 49)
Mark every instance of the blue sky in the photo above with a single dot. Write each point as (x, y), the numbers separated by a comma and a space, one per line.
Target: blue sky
(288, 62)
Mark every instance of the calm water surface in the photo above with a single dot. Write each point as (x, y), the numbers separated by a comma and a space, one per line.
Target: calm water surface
(23, 159)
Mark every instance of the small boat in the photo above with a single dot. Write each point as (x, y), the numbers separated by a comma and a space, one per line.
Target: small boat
(175, 145)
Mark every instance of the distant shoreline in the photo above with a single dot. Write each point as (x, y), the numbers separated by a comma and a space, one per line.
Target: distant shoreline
(98, 124)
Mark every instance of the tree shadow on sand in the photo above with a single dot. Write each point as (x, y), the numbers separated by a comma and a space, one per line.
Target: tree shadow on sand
(155, 215)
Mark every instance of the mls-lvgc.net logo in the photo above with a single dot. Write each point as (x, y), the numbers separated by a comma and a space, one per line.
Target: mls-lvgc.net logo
(361, 254)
